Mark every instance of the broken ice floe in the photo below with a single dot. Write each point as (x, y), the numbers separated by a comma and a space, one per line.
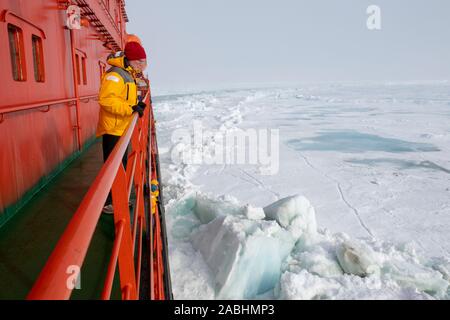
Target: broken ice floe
(278, 252)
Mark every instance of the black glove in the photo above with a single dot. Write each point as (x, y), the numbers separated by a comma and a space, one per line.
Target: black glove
(142, 105)
(139, 110)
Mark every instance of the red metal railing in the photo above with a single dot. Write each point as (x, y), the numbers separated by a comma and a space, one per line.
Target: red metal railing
(42, 104)
(48, 104)
(101, 19)
(159, 250)
(71, 249)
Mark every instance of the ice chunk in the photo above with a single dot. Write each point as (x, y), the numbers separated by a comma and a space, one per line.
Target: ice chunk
(244, 255)
(207, 209)
(254, 213)
(442, 265)
(194, 280)
(294, 213)
(180, 219)
(317, 260)
(355, 259)
(419, 277)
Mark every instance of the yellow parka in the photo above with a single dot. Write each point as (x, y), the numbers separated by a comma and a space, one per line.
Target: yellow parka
(118, 94)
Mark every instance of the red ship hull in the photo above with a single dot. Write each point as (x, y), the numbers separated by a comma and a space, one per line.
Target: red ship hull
(48, 115)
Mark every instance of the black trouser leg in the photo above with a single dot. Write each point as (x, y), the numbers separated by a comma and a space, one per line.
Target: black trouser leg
(108, 143)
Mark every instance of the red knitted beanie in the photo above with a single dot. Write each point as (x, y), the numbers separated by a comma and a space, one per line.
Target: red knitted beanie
(134, 51)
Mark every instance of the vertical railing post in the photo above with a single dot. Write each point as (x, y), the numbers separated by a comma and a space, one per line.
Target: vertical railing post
(151, 216)
(72, 247)
(126, 252)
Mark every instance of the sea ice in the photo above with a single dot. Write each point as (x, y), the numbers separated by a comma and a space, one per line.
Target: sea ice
(372, 156)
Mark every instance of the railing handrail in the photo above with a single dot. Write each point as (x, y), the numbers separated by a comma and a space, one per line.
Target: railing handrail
(62, 270)
(73, 245)
(37, 105)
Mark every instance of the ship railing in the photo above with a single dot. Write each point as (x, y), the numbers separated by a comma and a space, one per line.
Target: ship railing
(62, 271)
(43, 104)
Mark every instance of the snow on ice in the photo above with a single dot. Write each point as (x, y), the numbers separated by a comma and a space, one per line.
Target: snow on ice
(370, 165)
(247, 258)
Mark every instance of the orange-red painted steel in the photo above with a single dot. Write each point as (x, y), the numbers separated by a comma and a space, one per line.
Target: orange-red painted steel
(63, 127)
(157, 246)
(75, 90)
(72, 247)
(37, 105)
(50, 138)
(126, 252)
(106, 294)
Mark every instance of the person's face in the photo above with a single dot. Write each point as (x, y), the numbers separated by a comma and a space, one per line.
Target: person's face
(139, 65)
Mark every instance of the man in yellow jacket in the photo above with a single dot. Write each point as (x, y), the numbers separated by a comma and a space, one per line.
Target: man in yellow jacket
(118, 99)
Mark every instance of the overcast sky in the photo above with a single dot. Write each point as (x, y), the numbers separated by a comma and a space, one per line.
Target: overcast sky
(220, 43)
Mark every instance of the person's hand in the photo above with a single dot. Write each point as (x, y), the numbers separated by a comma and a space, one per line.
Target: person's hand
(137, 108)
(142, 105)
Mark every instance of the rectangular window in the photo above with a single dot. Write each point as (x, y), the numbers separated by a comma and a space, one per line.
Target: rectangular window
(77, 64)
(83, 63)
(16, 48)
(38, 59)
